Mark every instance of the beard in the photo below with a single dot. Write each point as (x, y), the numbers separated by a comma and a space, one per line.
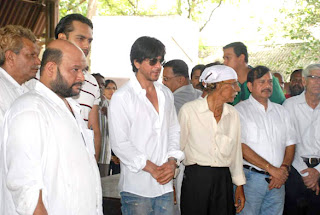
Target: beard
(61, 88)
(295, 90)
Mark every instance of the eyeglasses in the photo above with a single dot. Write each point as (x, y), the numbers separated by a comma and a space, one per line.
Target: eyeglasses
(233, 84)
(314, 77)
(164, 78)
(111, 88)
(154, 61)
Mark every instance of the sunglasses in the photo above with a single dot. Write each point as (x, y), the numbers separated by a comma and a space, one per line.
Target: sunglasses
(154, 61)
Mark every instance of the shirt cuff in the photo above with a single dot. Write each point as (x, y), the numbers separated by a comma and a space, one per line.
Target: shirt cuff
(239, 180)
(178, 154)
(138, 163)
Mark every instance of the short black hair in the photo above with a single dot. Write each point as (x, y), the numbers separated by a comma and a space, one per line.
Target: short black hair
(110, 81)
(65, 24)
(294, 72)
(97, 75)
(239, 48)
(51, 55)
(200, 67)
(256, 73)
(179, 67)
(146, 47)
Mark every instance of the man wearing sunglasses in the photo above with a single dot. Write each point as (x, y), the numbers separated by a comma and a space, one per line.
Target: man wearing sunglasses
(302, 187)
(145, 133)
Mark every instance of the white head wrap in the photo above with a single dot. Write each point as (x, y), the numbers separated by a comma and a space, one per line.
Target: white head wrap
(217, 73)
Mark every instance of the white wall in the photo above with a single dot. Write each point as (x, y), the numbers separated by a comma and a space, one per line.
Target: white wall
(113, 37)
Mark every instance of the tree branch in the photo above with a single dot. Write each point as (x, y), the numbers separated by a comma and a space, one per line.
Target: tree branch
(210, 16)
(71, 8)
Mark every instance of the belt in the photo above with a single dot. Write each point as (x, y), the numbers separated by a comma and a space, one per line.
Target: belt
(255, 170)
(311, 161)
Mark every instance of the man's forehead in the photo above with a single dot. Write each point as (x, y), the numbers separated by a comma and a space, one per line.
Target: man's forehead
(81, 29)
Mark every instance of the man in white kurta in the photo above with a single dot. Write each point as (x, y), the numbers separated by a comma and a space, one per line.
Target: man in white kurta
(48, 166)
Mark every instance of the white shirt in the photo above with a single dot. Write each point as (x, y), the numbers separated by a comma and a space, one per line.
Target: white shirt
(266, 132)
(208, 143)
(139, 133)
(10, 90)
(307, 127)
(185, 94)
(45, 149)
(89, 96)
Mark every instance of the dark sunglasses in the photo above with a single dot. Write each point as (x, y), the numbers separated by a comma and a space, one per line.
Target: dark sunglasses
(154, 61)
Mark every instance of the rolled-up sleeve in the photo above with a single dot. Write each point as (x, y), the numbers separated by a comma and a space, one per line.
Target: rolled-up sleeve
(23, 150)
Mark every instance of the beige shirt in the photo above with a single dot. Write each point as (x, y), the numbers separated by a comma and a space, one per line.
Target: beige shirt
(208, 143)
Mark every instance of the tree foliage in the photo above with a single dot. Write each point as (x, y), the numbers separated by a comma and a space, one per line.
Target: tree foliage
(302, 25)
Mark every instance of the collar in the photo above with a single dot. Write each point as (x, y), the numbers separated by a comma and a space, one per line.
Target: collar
(183, 88)
(259, 105)
(7, 77)
(137, 87)
(301, 98)
(203, 107)
(50, 95)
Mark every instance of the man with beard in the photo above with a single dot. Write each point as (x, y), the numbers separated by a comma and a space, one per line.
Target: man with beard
(78, 29)
(144, 133)
(268, 138)
(48, 166)
(295, 85)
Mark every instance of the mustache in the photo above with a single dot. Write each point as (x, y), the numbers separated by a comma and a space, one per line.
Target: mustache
(77, 83)
(266, 90)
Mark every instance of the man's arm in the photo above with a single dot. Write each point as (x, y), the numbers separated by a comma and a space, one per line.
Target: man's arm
(40, 209)
(252, 157)
(239, 198)
(93, 123)
(287, 160)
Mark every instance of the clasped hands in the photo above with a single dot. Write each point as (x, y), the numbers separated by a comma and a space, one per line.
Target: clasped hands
(278, 176)
(164, 173)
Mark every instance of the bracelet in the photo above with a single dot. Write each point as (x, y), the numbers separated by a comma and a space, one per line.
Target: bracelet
(267, 166)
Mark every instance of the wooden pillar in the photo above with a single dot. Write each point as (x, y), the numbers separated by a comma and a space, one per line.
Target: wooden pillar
(52, 18)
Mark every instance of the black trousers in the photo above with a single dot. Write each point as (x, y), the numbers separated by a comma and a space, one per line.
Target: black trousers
(299, 199)
(207, 190)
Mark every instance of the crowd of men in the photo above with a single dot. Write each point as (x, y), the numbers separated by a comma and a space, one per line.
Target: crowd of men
(225, 140)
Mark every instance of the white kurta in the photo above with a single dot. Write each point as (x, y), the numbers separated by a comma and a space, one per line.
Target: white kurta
(45, 148)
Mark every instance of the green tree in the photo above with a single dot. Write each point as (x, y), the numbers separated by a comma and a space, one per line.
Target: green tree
(302, 25)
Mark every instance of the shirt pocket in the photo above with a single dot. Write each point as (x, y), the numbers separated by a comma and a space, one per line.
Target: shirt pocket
(252, 133)
(224, 144)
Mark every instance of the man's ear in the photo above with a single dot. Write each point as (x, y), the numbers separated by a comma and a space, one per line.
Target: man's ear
(249, 85)
(51, 69)
(62, 36)
(242, 57)
(136, 64)
(9, 57)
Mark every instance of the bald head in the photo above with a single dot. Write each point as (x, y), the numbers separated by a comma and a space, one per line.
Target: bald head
(62, 68)
(56, 50)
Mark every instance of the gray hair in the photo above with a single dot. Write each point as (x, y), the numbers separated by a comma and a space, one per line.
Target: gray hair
(309, 68)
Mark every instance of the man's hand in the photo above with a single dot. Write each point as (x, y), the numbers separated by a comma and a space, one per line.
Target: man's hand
(275, 183)
(311, 181)
(152, 169)
(115, 159)
(167, 172)
(239, 199)
(279, 173)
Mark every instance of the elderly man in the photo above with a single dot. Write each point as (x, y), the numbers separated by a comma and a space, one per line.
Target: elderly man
(268, 139)
(302, 187)
(210, 138)
(19, 63)
(295, 85)
(176, 78)
(236, 56)
(48, 166)
(144, 133)
(78, 29)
